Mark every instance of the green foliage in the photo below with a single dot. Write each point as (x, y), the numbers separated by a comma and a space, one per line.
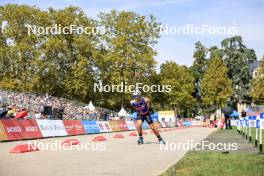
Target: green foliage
(237, 57)
(199, 64)
(182, 83)
(129, 53)
(68, 65)
(216, 87)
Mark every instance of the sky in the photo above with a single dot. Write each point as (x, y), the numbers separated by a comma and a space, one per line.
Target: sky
(245, 17)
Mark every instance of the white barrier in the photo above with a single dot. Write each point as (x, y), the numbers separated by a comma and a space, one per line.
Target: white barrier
(262, 123)
(245, 125)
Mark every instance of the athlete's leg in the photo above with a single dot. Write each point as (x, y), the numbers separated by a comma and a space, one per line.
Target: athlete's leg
(139, 129)
(152, 126)
(154, 129)
(139, 126)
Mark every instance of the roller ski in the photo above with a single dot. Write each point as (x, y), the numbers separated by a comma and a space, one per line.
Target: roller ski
(161, 141)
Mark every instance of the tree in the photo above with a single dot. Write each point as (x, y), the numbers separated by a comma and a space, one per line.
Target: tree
(198, 69)
(257, 91)
(237, 57)
(67, 65)
(199, 63)
(128, 52)
(216, 87)
(79, 83)
(182, 83)
(18, 49)
(41, 63)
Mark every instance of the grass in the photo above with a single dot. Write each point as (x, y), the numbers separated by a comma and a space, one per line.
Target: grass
(215, 163)
(210, 163)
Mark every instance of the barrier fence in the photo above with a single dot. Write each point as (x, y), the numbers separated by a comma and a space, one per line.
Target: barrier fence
(13, 129)
(248, 125)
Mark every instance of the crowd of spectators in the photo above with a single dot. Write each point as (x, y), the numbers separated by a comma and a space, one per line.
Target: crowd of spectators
(15, 102)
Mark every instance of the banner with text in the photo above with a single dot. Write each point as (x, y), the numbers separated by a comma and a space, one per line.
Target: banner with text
(131, 125)
(51, 128)
(21, 129)
(90, 126)
(73, 127)
(114, 125)
(122, 125)
(103, 126)
(167, 116)
(3, 136)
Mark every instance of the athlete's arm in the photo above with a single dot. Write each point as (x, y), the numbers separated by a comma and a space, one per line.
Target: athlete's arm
(148, 101)
(131, 103)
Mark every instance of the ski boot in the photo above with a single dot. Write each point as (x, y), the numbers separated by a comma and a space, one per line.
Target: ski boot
(161, 141)
(140, 141)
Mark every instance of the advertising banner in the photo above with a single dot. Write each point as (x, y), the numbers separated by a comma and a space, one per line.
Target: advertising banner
(167, 116)
(233, 122)
(90, 126)
(3, 136)
(258, 124)
(252, 123)
(73, 127)
(103, 126)
(187, 123)
(30, 129)
(51, 128)
(144, 125)
(246, 123)
(240, 122)
(131, 125)
(170, 124)
(21, 129)
(122, 125)
(13, 129)
(196, 123)
(163, 125)
(114, 125)
(261, 115)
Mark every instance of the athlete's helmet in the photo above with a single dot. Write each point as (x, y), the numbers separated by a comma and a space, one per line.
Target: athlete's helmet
(136, 94)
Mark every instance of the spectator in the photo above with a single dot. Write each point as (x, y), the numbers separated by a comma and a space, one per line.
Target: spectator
(34, 104)
(227, 111)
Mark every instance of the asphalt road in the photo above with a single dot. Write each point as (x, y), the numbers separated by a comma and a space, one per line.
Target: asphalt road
(112, 157)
